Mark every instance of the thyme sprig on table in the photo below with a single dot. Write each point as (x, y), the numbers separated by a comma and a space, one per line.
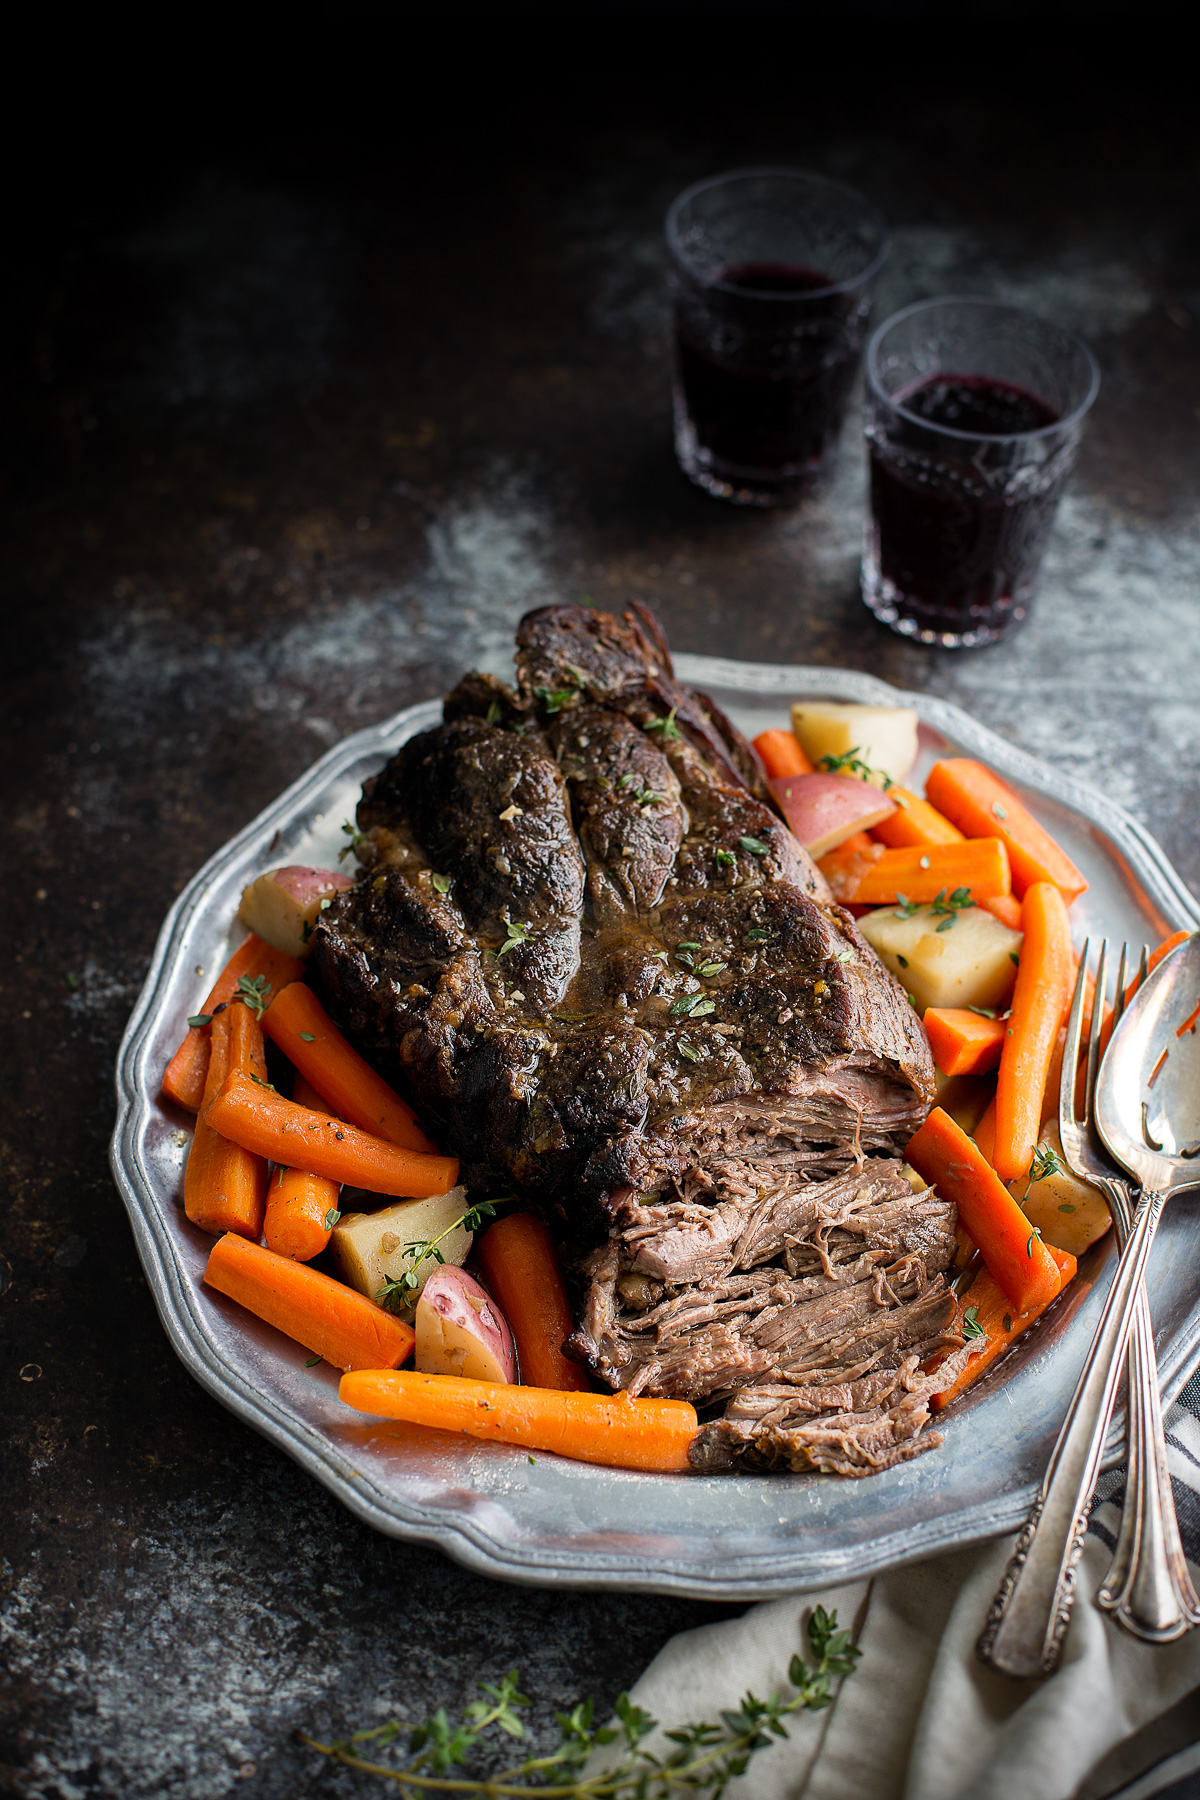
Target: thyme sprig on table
(399, 1294)
(702, 1759)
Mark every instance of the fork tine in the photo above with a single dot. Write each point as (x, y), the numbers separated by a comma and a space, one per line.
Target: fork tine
(1070, 1061)
(1097, 1031)
(1119, 995)
(1144, 965)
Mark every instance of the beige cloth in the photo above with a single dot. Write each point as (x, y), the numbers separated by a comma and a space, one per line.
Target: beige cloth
(921, 1718)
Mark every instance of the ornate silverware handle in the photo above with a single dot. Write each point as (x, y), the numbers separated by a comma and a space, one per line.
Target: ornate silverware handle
(1028, 1620)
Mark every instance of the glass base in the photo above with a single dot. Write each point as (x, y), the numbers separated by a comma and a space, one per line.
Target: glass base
(739, 486)
(914, 619)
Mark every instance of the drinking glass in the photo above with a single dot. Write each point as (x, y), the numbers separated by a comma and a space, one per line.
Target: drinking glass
(772, 276)
(974, 414)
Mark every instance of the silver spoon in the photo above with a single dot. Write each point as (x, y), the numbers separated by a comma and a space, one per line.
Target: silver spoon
(1149, 1121)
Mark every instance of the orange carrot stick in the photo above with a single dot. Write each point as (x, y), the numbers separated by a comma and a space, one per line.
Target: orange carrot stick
(780, 754)
(1006, 908)
(598, 1428)
(915, 822)
(521, 1269)
(308, 1037)
(332, 1321)
(981, 866)
(978, 802)
(992, 1311)
(184, 1079)
(943, 1153)
(1041, 996)
(845, 867)
(269, 1125)
(224, 1186)
(963, 1042)
(302, 1209)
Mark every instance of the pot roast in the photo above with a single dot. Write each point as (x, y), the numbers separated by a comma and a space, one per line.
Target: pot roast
(613, 984)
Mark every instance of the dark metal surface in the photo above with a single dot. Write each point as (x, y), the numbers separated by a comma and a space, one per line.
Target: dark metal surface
(296, 430)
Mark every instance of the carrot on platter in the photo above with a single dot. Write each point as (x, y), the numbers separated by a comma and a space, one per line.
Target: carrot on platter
(979, 865)
(610, 1429)
(780, 754)
(522, 1272)
(333, 1321)
(979, 803)
(263, 1121)
(943, 1153)
(988, 1308)
(963, 1042)
(224, 1185)
(845, 867)
(302, 1208)
(254, 960)
(310, 1040)
(914, 822)
(1045, 976)
(1006, 908)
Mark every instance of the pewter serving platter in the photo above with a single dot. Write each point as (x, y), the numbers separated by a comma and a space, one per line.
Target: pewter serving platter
(554, 1522)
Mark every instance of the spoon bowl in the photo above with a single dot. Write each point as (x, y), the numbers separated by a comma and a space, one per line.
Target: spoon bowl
(1148, 1091)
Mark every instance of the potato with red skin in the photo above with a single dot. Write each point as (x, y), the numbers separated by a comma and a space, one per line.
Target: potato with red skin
(282, 906)
(461, 1330)
(824, 810)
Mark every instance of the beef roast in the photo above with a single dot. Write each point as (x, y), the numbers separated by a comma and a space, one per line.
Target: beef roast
(614, 984)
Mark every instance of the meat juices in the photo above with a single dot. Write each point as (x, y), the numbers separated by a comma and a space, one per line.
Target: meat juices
(613, 982)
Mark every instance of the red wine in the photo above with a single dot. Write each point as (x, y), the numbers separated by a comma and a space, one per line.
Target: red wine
(764, 386)
(957, 541)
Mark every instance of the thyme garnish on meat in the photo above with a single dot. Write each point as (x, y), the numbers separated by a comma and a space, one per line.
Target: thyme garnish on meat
(517, 933)
(699, 1758)
(356, 837)
(668, 730)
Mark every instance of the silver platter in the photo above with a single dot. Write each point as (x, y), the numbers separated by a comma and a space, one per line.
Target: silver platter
(550, 1521)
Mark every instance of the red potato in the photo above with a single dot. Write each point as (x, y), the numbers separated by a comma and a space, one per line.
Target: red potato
(282, 906)
(825, 810)
(461, 1330)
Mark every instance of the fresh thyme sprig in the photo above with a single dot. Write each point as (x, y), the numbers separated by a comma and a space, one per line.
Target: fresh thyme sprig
(517, 933)
(255, 990)
(851, 762)
(1045, 1163)
(356, 837)
(703, 1758)
(643, 795)
(399, 1294)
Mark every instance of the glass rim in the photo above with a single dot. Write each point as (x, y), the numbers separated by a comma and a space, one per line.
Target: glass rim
(791, 174)
(1006, 306)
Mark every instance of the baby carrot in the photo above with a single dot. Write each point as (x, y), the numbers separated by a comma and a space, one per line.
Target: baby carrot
(333, 1321)
(991, 1312)
(943, 1153)
(914, 822)
(521, 1269)
(963, 1042)
(978, 802)
(310, 1040)
(598, 1428)
(264, 1122)
(780, 754)
(224, 1186)
(980, 866)
(301, 1208)
(184, 1079)
(1006, 908)
(1045, 975)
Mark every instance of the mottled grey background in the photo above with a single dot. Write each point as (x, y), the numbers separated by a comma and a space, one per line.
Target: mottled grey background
(298, 421)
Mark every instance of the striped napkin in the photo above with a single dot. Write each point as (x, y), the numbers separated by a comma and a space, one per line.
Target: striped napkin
(922, 1719)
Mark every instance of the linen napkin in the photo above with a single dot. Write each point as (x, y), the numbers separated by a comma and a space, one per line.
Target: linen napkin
(922, 1719)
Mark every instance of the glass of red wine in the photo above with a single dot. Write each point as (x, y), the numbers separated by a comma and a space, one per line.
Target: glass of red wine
(773, 270)
(975, 410)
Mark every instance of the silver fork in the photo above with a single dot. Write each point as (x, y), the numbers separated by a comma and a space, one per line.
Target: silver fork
(1148, 1589)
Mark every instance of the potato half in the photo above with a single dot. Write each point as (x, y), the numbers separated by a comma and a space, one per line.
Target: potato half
(966, 962)
(1069, 1213)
